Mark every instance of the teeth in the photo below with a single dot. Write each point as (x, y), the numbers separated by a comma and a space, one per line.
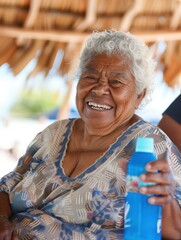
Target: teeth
(99, 106)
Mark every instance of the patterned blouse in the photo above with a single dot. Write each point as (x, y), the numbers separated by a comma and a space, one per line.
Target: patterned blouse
(47, 204)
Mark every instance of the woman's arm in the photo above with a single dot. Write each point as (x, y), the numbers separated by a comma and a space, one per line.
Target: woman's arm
(7, 183)
(5, 208)
(6, 227)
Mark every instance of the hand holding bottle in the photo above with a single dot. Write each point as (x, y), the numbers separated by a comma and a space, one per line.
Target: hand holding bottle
(142, 218)
(159, 173)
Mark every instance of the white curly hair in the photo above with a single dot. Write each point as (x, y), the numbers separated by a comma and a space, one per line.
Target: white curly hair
(116, 42)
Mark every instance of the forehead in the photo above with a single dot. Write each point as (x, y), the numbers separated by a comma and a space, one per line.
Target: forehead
(113, 61)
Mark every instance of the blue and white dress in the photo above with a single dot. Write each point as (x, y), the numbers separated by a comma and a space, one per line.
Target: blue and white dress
(47, 204)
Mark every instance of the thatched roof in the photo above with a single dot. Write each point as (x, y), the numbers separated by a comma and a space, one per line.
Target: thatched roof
(40, 28)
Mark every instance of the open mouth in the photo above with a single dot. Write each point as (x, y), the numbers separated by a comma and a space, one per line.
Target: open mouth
(99, 107)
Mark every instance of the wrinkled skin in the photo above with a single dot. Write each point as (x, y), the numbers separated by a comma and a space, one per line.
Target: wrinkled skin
(165, 184)
(106, 100)
(107, 81)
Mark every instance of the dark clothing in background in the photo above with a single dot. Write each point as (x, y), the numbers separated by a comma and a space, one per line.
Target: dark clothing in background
(174, 110)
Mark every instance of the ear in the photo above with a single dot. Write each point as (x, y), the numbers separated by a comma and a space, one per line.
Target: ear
(140, 98)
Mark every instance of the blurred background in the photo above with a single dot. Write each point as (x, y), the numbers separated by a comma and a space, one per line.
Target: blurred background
(40, 42)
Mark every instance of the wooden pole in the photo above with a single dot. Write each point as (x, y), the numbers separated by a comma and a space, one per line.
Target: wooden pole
(70, 36)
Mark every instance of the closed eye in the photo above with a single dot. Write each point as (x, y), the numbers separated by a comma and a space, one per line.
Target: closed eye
(115, 82)
(89, 77)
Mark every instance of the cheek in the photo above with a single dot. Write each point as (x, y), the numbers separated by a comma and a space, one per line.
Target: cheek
(83, 90)
(78, 91)
(78, 99)
(80, 96)
(125, 101)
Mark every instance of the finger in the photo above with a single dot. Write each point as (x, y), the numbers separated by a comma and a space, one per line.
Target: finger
(158, 190)
(160, 200)
(159, 177)
(158, 165)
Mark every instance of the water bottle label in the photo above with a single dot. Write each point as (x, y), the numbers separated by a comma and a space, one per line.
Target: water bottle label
(133, 183)
(159, 225)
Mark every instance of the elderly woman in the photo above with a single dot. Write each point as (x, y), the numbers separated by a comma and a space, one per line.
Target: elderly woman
(70, 184)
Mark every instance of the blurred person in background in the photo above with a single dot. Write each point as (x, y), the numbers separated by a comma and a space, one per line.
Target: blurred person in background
(171, 122)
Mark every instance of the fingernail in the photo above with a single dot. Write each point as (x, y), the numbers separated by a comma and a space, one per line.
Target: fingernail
(143, 190)
(151, 200)
(148, 167)
(143, 177)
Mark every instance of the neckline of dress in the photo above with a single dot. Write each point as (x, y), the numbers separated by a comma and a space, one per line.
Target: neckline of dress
(99, 161)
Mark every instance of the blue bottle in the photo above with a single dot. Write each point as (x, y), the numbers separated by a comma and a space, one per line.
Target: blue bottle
(142, 220)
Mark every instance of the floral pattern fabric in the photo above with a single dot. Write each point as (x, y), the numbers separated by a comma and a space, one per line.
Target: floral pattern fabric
(47, 204)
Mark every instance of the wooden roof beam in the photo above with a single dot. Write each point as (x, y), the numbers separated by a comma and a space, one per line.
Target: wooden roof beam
(33, 13)
(173, 70)
(31, 17)
(175, 20)
(70, 36)
(158, 35)
(52, 35)
(130, 15)
(90, 16)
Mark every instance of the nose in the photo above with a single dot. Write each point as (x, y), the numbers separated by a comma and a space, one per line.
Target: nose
(101, 89)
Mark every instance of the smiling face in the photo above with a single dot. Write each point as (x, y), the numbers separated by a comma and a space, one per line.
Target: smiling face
(106, 93)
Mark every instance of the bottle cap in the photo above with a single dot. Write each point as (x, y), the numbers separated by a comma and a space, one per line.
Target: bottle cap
(145, 145)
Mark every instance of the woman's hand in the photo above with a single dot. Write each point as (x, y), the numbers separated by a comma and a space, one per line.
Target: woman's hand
(159, 172)
(6, 229)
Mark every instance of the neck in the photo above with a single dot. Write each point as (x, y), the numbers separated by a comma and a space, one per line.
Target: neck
(90, 136)
(116, 127)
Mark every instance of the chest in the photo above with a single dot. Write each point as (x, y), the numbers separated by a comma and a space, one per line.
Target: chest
(75, 162)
